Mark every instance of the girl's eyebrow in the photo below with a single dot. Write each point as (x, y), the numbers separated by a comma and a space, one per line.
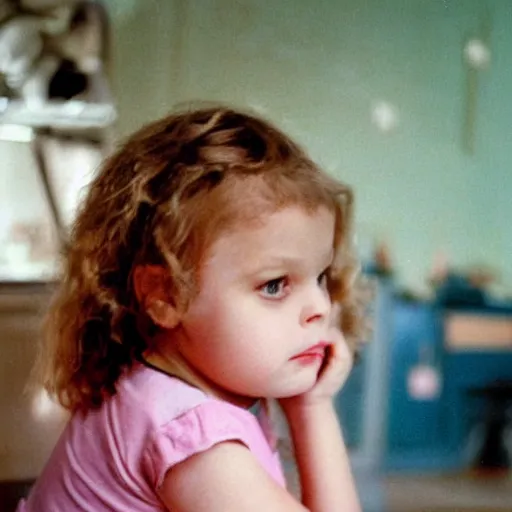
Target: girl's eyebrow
(274, 263)
(279, 262)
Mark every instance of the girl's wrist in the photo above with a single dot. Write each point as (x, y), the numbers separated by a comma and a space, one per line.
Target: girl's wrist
(302, 406)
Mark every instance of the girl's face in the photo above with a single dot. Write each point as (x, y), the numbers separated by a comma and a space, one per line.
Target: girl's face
(262, 301)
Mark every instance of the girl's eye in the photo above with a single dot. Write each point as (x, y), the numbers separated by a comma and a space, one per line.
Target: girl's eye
(322, 278)
(275, 288)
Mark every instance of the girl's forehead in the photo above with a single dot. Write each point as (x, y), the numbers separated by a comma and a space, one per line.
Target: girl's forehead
(244, 217)
(285, 234)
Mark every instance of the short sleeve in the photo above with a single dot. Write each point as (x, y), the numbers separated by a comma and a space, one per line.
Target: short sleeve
(21, 506)
(195, 431)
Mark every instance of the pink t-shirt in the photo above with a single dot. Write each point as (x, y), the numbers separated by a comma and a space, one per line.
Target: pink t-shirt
(116, 457)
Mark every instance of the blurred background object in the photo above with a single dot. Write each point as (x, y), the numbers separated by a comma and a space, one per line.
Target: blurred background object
(54, 64)
(57, 117)
(406, 100)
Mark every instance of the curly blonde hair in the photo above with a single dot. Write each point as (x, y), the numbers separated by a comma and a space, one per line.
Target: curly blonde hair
(163, 198)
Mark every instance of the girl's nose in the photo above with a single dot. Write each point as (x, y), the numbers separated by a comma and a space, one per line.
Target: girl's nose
(317, 306)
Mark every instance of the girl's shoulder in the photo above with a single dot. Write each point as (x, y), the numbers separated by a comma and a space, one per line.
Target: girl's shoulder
(155, 395)
(167, 407)
(186, 421)
(175, 407)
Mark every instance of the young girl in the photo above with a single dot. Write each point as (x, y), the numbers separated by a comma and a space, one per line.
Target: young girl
(200, 279)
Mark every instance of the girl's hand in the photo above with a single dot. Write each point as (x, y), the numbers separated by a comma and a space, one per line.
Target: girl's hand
(332, 375)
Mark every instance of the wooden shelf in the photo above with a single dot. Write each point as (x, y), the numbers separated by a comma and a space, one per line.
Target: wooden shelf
(469, 331)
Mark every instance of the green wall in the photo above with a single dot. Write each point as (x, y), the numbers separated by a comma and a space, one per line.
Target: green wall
(317, 69)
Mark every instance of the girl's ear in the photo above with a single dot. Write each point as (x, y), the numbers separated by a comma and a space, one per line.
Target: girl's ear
(151, 286)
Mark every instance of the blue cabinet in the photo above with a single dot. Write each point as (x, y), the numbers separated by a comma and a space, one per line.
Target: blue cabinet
(417, 434)
(412, 423)
(468, 370)
(395, 430)
(435, 434)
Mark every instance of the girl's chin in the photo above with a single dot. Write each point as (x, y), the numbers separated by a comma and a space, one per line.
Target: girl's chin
(296, 390)
(295, 385)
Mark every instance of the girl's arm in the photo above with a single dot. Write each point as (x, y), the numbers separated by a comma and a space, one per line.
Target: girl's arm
(326, 479)
(225, 478)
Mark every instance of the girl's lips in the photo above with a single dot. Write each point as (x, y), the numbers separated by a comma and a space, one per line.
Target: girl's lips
(317, 350)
